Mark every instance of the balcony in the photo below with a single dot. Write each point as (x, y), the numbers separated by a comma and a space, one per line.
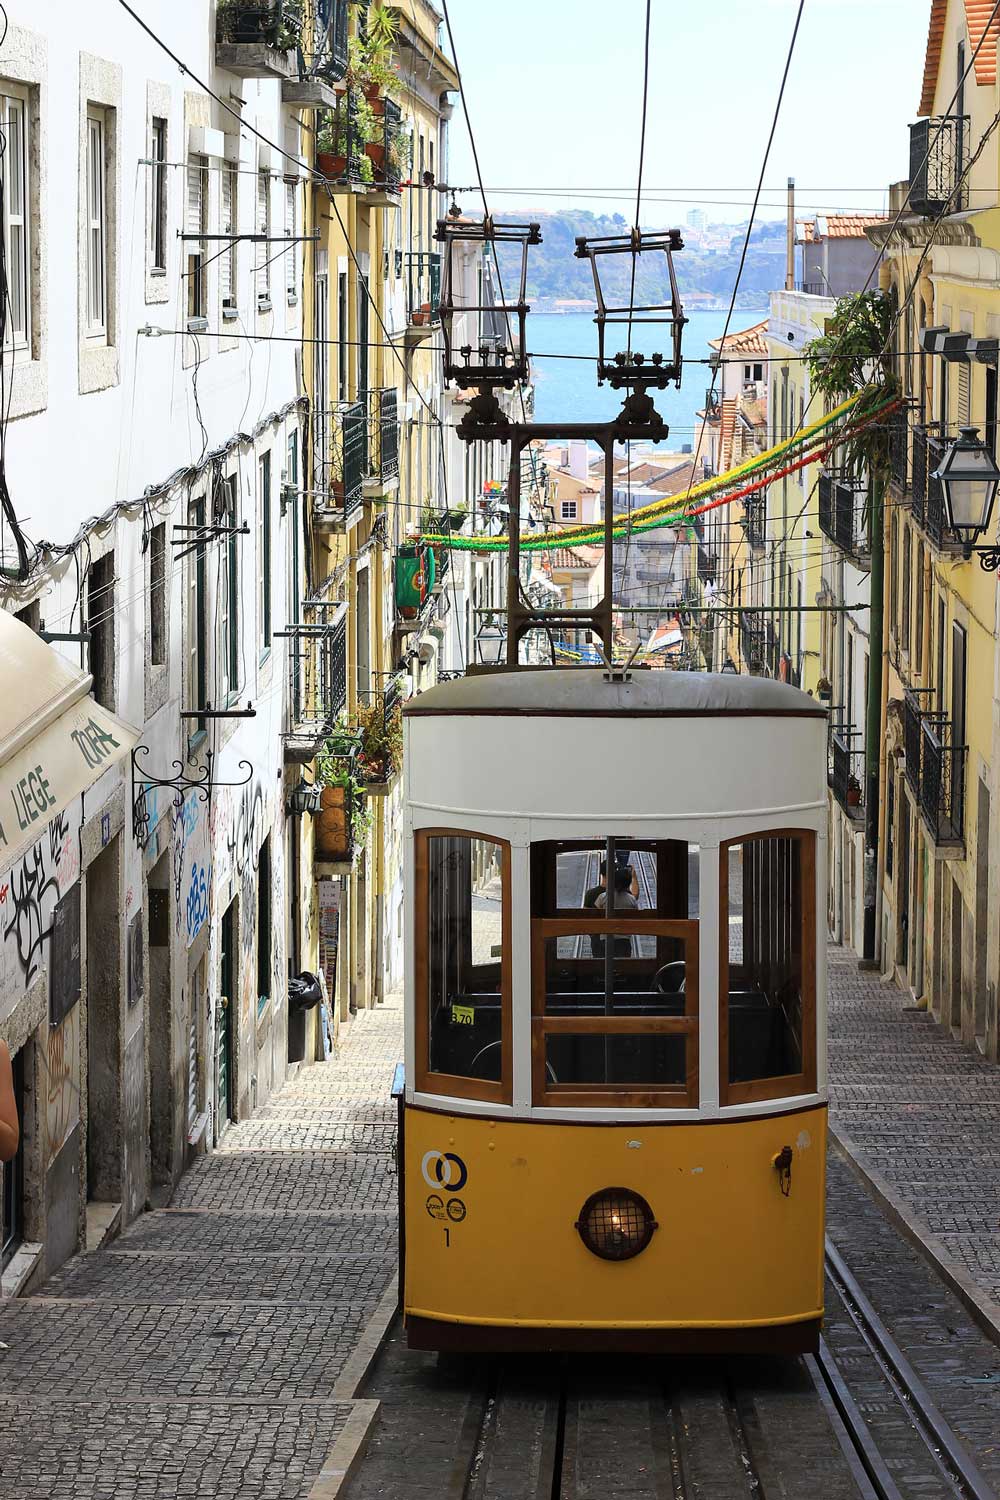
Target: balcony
(843, 513)
(899, 449)
(752, 644)
(382, 455)
(847, 771)
(755, 521)
(255, 41)
(928, 499)
(340, 474)
(423, 293)
(362, 148)
(708, 564)
(317, 676)
(321, 57)
(935, 770)
(937, 152)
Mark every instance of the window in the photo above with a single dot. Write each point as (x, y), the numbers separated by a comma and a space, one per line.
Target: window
(567, 510)
(196, 222)
(96, 226)
(158, 196)
(918, 640)
(101, 624)
(342, 315)
(291, 254)
(158, 595)
(16, 217)
(990, 434)
(767, 967)
(463, 975)
(227, 261)
(904, 624)
(614, 973)
(264, 248)
(197, 618)
(264, 550)
(264, 927)
(958, 727)
(229, 595)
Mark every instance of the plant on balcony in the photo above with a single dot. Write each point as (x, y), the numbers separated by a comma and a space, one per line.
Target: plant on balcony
(257, 24)
(370, 65)
(381, 740)
(854, 355)
(341, 137)
(853, 792)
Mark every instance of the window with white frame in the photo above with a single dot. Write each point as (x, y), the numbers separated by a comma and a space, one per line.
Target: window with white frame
(567, 510)
(264, 249)
(158, 195)
(97, 234)
(227, 260)
(16, 217)
(196, 222)
(291, 276)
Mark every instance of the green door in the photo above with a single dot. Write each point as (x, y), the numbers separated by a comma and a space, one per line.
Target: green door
(223, 1022)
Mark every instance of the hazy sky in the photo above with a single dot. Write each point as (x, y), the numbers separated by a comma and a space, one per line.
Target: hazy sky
(554, 89)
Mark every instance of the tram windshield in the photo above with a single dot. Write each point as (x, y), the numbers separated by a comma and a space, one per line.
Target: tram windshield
(615, 971)
(768, 951)
(463, 911)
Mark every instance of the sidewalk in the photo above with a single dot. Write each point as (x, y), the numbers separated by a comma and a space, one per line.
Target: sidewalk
(919, 1114)
(199, 1354)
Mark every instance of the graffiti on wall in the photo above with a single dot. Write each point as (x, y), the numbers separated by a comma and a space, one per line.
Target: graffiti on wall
(62, 1083)
(29, 895)
(190, 866)
(134, 1122)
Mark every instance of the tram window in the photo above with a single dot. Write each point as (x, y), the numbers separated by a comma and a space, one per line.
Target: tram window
(658, 878)
(462, 940)
(768, 964)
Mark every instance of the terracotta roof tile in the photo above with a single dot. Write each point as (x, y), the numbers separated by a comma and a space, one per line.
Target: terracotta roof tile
(836, 227)
(746, 341)
(977, 14)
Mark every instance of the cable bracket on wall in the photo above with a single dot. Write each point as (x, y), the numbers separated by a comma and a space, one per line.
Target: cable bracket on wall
(194, 537)
(180, 783)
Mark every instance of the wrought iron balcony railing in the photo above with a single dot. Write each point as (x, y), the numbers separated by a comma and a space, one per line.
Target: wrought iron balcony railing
(752, 644)
(317, 674)
(899, 449)
(382, 451)
(847, 770)
(355, 156)
(341, 440)
(928, 498)
(755, 521)
(423, 287)
(938, 147)
(935, 769)
(843, 513)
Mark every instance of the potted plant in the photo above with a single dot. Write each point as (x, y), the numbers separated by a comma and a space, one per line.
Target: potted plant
(331, 145)
(824, 689)
(290, 28)
(369, 58)
(236, 21)
(344, 818)
(381, 741)
(853, 792)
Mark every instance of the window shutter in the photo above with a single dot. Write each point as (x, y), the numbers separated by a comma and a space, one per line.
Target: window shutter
(263, 227)
(290, 253)
(227, 260)
(194, 219)
(964, 388)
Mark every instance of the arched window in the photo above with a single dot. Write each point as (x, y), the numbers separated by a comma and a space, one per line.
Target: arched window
(767, 966)
(462, 965)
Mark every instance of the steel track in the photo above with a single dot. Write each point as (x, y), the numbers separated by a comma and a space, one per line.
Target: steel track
(948, 1458)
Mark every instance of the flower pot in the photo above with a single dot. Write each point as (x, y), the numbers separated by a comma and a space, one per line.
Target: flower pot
(854, 796)
(333, 824)
(419, 317)
(375, 153)
(331, 165)
(371, 93)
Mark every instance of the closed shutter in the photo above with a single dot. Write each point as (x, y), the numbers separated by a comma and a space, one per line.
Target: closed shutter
(263, 227)
(291, 280)
(964, 388)
(227, 261)
(194, 219)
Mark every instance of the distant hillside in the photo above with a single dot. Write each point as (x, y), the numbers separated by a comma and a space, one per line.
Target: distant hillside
(555, 275)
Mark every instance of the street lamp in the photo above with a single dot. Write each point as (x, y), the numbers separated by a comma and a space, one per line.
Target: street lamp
(304, 798)
(491, 644)
(969, 478)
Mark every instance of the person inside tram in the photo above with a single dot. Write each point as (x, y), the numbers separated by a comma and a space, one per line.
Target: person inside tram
(626, 899)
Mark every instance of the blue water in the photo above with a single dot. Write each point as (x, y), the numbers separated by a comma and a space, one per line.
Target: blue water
(566, 390)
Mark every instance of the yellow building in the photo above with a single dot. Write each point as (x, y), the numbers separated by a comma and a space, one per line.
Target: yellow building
(376, 461)
(938, 849)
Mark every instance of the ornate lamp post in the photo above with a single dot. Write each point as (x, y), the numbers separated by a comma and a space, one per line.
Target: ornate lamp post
(969, 479)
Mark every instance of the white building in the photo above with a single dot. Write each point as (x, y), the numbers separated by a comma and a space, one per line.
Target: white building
(124, 429)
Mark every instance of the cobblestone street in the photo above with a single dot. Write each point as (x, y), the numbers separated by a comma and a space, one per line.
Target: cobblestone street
(921, 1112)
(197, 1354)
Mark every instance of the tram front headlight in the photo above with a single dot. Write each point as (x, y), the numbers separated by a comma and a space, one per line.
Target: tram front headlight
(616, 1224)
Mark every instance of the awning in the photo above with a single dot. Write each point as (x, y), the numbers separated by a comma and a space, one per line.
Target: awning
(55, 741)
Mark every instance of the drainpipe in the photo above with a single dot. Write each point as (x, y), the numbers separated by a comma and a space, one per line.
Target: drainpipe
(873, 721)
(790, 239)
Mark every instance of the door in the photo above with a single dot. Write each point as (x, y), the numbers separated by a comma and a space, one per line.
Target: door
(12, 1232)
(224, 1022)
(903, 886)
(104, 1062)
(165, 1109)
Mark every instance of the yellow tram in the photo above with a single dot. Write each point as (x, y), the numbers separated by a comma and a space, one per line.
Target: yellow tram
(614, 1118)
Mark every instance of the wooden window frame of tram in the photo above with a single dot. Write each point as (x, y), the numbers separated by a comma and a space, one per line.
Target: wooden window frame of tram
(426, 1081)
(643, 1096)
(789, 1085)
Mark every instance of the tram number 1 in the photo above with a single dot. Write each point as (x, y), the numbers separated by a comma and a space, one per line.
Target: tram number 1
(447, 1237)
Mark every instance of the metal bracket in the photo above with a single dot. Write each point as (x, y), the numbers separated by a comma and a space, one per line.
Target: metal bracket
(198, 536)
(179, 784)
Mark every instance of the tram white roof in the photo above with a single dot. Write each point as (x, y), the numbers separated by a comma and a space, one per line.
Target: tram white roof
(584, 691)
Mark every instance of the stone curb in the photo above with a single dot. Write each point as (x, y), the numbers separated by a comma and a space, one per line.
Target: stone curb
(349, 1448)
(983, 1310)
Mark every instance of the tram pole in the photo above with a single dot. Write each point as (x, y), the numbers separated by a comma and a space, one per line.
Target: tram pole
(873, 718)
